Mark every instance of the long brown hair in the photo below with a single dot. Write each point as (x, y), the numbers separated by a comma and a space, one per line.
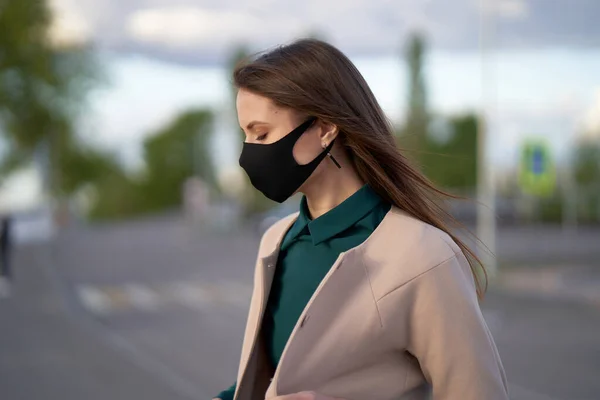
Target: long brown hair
(317, 79)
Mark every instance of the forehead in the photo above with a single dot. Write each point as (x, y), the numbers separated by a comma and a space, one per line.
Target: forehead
(251, 106)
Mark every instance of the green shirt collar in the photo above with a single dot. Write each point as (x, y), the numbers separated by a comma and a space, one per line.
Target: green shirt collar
(337, 220)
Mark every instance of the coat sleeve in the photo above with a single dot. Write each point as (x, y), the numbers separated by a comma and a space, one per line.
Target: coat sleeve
(436, 318)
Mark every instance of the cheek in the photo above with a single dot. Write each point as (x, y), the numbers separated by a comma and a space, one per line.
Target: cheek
(307, 148)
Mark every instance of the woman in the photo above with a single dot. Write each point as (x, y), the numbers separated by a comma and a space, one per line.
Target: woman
(5, 261)
(365, 293)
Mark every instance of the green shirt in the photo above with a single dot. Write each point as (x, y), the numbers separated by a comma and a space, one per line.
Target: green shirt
(307, 252)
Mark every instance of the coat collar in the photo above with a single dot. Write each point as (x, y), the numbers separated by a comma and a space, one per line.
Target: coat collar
(272, 239)
(337, 220)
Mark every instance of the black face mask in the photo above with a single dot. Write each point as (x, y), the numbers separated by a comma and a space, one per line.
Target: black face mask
(272, 168)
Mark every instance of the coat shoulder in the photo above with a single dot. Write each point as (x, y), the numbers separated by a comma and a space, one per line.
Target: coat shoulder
(403, 248)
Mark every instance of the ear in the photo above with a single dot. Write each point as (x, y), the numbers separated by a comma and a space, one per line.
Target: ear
(327, 132)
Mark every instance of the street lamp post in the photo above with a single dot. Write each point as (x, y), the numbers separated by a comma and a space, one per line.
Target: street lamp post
(486, 209)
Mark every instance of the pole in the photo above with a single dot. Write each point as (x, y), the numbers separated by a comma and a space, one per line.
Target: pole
(486, 210)
(597, 197)
(570, 195)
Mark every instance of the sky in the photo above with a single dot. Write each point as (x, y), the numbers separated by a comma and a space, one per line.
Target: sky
(547, 93)
(201, 31)
(161, 57)
(164, 56)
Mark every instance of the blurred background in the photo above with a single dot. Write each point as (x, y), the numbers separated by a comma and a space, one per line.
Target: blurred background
(129, 231)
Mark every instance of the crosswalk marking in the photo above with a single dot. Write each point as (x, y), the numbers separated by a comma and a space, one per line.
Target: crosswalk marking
(142, 297)
(191, 295)
(94, 299)
(130, 297)
(118, 297)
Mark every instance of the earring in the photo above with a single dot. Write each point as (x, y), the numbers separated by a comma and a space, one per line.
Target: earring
(331, 157)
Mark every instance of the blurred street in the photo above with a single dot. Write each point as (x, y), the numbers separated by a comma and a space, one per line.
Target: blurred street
(155, 309)
(114, 114)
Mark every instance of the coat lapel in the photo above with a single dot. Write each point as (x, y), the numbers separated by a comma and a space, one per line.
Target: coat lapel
(263, 279)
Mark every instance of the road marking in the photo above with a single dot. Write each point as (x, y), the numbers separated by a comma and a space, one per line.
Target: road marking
(191, 295)
(142, 297)
(94, 299)
(118, 297)
(130, 297)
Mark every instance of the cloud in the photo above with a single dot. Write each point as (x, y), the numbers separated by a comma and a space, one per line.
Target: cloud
(196, 31)
(187, 27)
(194, 27)
(562, 23)
(513, 9)
(505, 9)
(69, 26)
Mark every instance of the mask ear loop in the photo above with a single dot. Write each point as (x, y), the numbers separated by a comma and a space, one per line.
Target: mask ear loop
(331, 157)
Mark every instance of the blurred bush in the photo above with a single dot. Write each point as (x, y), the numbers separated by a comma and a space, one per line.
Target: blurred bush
(174, 153)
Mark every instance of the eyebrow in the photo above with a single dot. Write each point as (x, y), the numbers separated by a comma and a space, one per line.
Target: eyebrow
(254, 123)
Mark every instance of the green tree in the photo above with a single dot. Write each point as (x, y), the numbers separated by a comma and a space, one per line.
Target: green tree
(587, 163)
(42, 88)
(117, 195)
(452, 163)
(587, 176)
(414, 134)
(252, 199)
(174, 153)
(85, 166)
(238, 55)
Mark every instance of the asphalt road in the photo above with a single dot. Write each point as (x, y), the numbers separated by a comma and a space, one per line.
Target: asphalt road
(155, 309)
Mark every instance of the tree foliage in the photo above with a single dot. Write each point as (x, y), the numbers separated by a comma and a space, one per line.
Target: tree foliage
(587, 163)
(173, 154)
(238, 55)
(253, 200)
(452, 163)
(42, 88)
(414, 133)
(587, 176)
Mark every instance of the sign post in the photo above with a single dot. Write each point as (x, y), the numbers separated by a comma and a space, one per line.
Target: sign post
(537, 173)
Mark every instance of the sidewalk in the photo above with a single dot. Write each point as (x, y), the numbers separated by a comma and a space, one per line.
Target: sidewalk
(46, 352)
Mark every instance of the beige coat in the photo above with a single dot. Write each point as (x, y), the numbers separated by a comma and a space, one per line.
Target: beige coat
(394, 318)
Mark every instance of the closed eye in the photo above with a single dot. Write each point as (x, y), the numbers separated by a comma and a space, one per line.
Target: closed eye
(262, 137)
